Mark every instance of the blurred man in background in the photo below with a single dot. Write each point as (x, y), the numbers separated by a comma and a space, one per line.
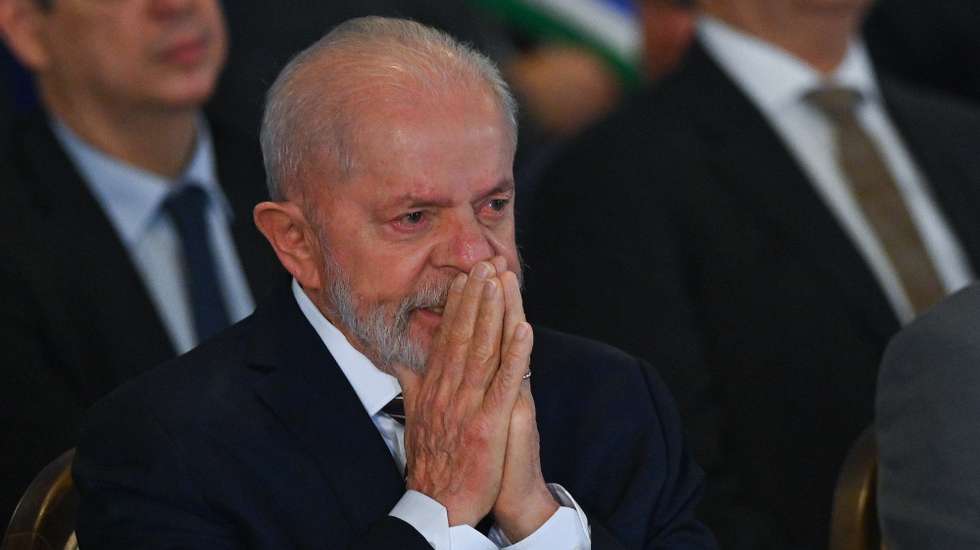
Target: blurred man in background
(132, 240)
(769, 216)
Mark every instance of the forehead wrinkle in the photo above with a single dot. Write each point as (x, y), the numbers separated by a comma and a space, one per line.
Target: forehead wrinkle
(420, 194)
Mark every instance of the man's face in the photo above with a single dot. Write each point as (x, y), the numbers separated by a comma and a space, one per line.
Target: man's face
(431, 195)
(134, 53)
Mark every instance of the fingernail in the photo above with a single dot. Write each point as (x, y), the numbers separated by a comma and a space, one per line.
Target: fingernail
(522, 332)
(483, 270)
(459, 283)
(490, 290)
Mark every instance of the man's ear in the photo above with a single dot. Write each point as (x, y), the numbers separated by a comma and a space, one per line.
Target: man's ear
(292, 237)
(22, 26)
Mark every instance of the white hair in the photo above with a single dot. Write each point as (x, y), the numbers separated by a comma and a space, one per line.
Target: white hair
(311, 105)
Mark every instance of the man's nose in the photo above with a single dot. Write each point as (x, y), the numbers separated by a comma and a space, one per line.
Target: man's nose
(466, 244)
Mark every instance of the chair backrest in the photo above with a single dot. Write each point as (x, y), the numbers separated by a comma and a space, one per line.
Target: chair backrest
(45, 517)
(854, 524)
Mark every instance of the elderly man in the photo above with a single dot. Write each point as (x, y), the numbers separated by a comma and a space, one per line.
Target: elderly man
(133, 240)
(767, 217)
(385, 399)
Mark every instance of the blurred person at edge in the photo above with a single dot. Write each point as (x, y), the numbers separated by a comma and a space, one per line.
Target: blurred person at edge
(134, 240)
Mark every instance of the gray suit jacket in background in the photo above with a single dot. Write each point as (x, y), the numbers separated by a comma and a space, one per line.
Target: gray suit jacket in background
(928, 415)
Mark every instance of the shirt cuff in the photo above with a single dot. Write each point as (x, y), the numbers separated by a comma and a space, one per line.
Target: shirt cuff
(431, 520)
(567, 528)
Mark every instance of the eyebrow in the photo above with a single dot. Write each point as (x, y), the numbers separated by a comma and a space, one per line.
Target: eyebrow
(505, 186)
(411, 200)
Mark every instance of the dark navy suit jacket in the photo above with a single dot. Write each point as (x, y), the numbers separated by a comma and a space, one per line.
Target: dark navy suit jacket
(257, 440)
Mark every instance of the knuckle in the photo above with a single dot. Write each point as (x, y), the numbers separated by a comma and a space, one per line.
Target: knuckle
(515, 357)
(484, 352)
(458, 335)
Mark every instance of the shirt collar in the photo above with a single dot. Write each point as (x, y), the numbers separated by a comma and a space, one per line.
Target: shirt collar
(373, 387)
(132, 197)
(773, 77)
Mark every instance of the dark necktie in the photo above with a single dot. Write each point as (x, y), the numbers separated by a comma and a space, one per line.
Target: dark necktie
(187, 208)
(396, 409)
(875, 190)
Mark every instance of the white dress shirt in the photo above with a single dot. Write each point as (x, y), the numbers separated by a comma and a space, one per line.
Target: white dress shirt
(133, 201)
(777, 83)
(566, 529)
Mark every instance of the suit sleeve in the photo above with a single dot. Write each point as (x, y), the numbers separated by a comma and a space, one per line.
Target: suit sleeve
(39, 405)
(927, 406)
(138, 492)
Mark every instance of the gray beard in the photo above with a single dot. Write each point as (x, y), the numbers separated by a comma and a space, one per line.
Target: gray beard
(383, 330)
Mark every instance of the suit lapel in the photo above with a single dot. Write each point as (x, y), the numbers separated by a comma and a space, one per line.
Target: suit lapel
(756, 166)
(312, 398)
(100, 283)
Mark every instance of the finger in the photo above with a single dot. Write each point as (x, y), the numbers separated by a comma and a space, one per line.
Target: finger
(484, 351)
(514, 306)
(410, 382)
(453, 298)
(500, 264)
(506, 384)
(523, 418)
(435, 361)
(460, 331)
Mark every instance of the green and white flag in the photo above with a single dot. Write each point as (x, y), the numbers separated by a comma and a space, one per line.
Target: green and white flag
(608, 27)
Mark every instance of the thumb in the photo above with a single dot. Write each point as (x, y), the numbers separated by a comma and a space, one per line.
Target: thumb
(410, 381)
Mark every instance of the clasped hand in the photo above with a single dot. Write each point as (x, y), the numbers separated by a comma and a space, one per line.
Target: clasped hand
(471, 438)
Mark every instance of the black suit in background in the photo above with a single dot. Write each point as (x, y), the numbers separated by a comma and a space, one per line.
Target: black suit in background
(8, 73)
(76, 319)
(257, 440)
(682, 227)
(933, 44)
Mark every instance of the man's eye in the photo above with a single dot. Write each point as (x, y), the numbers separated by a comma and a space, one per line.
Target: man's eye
(498, 204)
(413, 218)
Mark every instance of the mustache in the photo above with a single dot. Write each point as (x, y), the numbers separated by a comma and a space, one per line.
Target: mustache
(431, 293)
(434, 293)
